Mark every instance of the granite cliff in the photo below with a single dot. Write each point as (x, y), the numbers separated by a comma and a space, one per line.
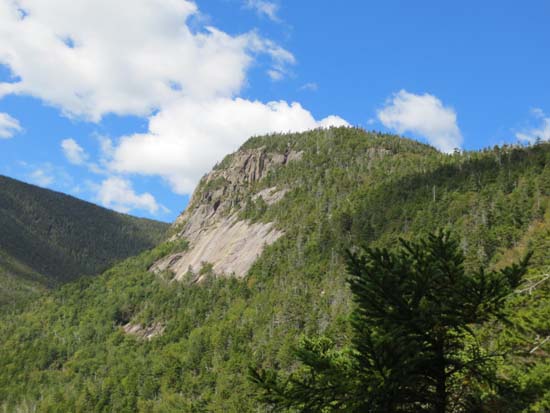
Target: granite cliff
(212, 224)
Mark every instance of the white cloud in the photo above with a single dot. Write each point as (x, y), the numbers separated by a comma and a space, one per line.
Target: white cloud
(275, 75)
(311, 86)
(281, 58)
(541, 132)
(265, 8)
(123, 57)
(41, 177)
(187, 138)
(332, 121)
(74, 153)
(141, 57)
(8, 126)
(424, 115)
(117, 193)
(106, 146)
(538, 113)
(77, 155)
(45, 174)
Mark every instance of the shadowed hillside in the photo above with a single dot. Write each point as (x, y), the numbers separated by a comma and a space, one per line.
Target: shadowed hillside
(47, 238)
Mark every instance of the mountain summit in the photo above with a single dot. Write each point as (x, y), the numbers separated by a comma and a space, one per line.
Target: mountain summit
(256, 261)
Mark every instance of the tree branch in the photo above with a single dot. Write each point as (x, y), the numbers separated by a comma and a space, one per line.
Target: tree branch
(543, 342)
(531, 287)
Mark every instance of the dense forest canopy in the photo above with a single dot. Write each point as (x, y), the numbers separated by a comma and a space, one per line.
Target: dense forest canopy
(47, 238)
(415, 347)
(70, 350)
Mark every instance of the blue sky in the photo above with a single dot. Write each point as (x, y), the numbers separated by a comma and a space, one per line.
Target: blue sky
(128, 106)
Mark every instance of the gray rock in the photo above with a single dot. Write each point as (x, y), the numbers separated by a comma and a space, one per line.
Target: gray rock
(211, 225)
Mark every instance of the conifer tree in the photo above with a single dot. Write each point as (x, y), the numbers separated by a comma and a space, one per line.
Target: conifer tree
(415, 347)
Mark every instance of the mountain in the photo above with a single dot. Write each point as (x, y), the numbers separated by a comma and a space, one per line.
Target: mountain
(48, 238)
(256, 261)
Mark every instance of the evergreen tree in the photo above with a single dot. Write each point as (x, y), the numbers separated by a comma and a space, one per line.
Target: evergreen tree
(415, 346)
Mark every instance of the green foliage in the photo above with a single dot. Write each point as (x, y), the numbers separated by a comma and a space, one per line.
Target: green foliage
(414, 335)
(18, 283)
(68, 350)
(48, 238)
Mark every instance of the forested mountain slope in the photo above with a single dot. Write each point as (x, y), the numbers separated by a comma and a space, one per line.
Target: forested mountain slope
(152, 335)
(47, 238)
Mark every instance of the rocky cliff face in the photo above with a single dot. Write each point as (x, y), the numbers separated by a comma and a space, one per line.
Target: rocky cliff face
(211, 222)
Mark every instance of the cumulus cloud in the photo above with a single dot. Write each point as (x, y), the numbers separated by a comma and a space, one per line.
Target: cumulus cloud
(113, 192)
(424, 115)
(117, 193)
(141, 57)
(123, 57)
(187, 138)
(332, 121)
(9, 126)
(74, 153)
(541, 132)
(265, 8)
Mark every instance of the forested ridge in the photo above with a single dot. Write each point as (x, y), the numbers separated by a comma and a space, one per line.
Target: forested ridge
(69, 350)
(47, 238)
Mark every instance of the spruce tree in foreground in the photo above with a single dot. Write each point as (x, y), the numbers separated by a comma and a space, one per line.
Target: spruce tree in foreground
(415, 347)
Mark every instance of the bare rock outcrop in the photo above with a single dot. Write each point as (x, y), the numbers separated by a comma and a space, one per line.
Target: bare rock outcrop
(143, 332)
(221, 191)
(211, 224)
(271, 195)
(230, 245)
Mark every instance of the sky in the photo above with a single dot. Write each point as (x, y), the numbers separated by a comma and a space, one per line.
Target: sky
(128, 104)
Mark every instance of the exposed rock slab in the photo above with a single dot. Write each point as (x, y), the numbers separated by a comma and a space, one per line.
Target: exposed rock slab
(230, 245)
(271, 195)
(144, 332)
(220, 192)
(211, 225)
